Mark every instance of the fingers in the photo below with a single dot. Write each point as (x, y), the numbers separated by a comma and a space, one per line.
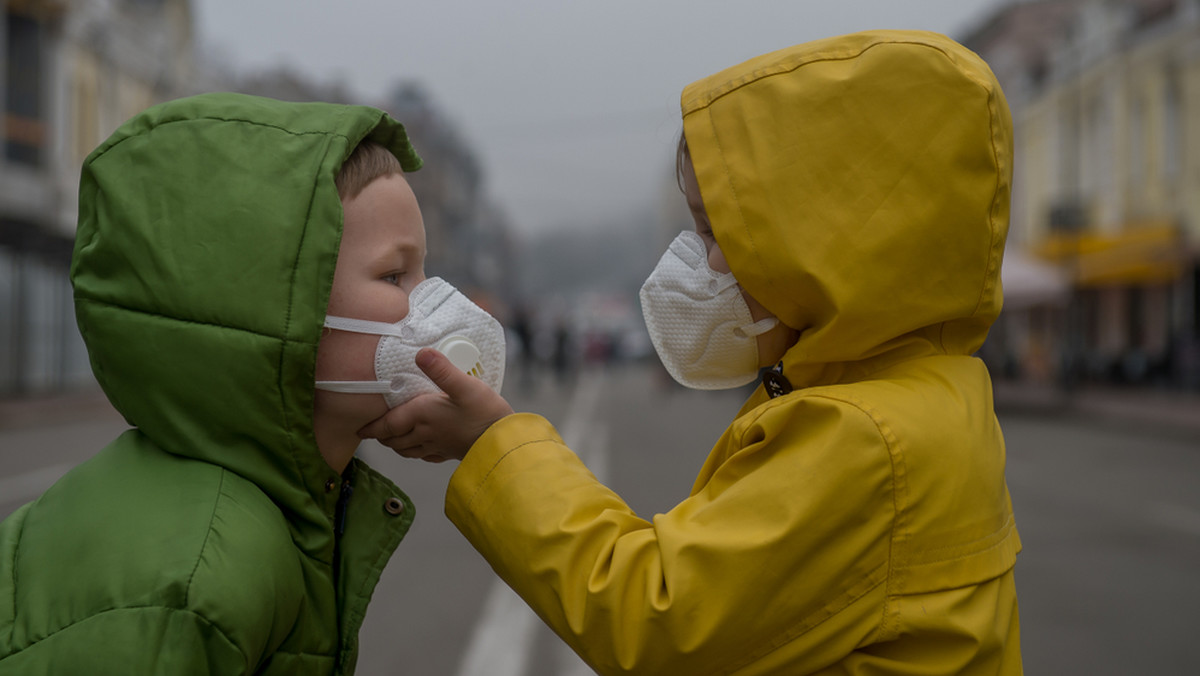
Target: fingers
(449, 378)
(402, 429)
(398, 422)
(416, 452)
(442, 426)
(387, 426)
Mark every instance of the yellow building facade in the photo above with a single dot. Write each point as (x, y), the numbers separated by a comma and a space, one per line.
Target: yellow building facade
(1105, 98)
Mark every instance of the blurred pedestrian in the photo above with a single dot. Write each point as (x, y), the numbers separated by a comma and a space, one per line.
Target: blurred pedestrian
(522, 328)
(851, 200)
(562, 358)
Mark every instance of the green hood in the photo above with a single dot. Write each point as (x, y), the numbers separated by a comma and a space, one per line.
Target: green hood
(208, 234)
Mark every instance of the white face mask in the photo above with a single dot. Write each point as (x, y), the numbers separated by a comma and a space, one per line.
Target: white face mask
(698, 321)
(439, 317)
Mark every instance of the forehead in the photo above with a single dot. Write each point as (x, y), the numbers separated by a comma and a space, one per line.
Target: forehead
(385, 211)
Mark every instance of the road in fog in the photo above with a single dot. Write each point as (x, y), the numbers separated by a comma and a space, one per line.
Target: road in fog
(1109, 515)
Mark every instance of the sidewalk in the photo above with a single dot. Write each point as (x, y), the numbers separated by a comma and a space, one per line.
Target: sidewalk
(1165, 409)
(45, 410)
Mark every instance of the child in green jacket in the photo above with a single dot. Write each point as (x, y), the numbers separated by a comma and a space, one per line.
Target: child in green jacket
(231, 530)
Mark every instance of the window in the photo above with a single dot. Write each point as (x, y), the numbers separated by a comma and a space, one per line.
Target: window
(24, 123)
(1172, 124)
(1068, 147)
(1137, 141)
(10, 308)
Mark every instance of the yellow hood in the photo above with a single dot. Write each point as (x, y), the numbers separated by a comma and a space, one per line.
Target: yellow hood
(859, 189)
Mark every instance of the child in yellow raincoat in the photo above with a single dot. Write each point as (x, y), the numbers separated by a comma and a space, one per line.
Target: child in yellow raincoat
(851, 200)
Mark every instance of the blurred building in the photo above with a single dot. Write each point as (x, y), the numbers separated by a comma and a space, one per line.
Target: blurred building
(286, 84)
(73, 71)
(469, 240)
(1105, 96)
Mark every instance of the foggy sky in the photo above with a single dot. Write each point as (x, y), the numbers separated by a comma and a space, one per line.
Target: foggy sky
(572, 106)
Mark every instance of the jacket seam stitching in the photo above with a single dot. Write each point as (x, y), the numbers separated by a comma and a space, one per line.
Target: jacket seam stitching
(214, 118)
(792, 634)
(16, 553)
(893, 459)
(737, 201)
(385, 548)
(1006, 529)
(187, 594)
(995, 202)
(730, 86)
(289, 428)
(106, 611)
(496, 464)
(801, 627)
(150, 313)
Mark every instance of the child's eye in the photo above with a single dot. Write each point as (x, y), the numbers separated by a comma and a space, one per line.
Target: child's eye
(393, 279)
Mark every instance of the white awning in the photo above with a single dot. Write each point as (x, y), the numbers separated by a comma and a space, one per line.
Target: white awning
(1028, 282)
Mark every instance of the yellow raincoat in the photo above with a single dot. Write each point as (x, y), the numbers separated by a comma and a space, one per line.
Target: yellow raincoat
(859, 189)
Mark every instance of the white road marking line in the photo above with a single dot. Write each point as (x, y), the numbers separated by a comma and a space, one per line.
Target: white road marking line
(22, 488)
(566, 662)
(503, 640)
(581, 429)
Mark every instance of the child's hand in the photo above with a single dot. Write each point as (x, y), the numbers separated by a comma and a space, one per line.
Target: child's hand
(439, 427)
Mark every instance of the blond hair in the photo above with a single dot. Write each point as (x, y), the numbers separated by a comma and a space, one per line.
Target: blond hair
(683, 157)
(369, 161)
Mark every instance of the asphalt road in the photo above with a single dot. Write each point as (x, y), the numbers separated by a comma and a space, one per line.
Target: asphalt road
(1109, 515)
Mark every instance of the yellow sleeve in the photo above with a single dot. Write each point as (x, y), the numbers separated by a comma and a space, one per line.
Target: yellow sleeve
(777, 561)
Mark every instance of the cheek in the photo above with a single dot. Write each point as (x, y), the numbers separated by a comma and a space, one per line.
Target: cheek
(757, 311)
(773, 344)
(374, 302)
(342, 355)
(716, 259)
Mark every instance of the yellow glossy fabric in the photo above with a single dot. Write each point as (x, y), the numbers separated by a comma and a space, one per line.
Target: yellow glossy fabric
(859, 189)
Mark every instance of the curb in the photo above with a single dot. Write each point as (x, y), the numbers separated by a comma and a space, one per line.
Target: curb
(23, 413)
(1154, 410)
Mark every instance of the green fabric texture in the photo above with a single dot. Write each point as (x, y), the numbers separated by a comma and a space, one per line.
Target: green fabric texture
(203, 540)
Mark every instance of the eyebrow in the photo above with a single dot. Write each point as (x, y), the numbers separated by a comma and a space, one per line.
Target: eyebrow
(402, 249)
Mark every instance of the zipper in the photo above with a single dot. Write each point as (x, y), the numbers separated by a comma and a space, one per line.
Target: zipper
(342, 504)
(339, 528)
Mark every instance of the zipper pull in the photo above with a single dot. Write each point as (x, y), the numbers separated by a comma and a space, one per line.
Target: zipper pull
(774, 382)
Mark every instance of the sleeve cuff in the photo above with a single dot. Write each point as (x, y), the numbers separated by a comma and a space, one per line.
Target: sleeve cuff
(505, 437)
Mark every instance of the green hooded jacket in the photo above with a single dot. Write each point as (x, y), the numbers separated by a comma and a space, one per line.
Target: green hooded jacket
(212, 538)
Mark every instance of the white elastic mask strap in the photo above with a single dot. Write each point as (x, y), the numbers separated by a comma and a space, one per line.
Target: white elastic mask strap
(759, 327)
(355, 386)
(361, 326)
(358, 326)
